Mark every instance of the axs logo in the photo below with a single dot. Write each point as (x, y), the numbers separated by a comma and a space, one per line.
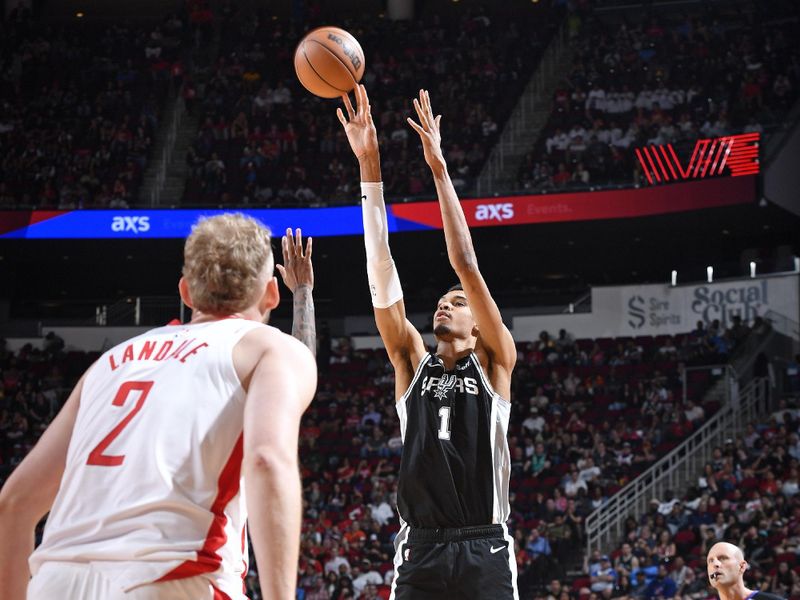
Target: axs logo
(494, 212)
(134, 224)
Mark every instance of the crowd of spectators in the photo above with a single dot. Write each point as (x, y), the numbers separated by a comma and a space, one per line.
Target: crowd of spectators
(663, 79)
(79, 108)
(81, 101)
(264, 139)
(587, 417)
(746, 495)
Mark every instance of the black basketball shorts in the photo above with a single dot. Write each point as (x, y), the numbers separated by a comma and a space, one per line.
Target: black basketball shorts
(470, 563)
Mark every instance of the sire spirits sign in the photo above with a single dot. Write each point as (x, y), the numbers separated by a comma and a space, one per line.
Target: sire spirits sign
(661, 309)
(710, 158)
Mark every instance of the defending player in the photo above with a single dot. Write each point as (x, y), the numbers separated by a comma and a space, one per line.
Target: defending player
(453, 404)
(726, 566)
(142, 469)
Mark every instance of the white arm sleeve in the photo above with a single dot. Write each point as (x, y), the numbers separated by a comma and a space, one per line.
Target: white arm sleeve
(384, 283)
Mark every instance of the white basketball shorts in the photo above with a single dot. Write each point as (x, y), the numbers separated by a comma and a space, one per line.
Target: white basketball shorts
(81, 581)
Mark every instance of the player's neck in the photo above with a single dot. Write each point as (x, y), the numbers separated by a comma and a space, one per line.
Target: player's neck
(453, 350)
(249, 314)
(738, 591)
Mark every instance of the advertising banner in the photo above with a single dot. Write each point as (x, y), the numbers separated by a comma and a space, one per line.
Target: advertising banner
(636, 310)
(412, 216)
(662, 309)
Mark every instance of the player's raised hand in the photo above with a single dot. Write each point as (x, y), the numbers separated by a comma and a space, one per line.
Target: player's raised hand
(297, 268)
(358, 125)
(428, 130)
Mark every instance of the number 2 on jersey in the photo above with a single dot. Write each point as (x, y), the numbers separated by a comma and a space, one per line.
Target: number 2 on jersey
(444, 424)
(96, 456)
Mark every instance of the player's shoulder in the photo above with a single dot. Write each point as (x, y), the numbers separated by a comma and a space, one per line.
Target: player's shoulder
(767, 596)
(266, 343)
(270, 339)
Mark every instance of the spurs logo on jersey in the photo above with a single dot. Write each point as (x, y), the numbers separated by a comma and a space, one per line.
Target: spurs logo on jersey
(455, 464)
(445, 383)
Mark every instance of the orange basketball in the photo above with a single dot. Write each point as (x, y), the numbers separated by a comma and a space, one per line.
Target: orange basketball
(329, 62)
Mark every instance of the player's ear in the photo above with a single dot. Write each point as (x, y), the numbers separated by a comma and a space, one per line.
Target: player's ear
(271, 297)
(183, 290)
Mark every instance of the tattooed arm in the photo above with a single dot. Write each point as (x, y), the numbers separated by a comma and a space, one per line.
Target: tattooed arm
(303, 326)
(298, 275)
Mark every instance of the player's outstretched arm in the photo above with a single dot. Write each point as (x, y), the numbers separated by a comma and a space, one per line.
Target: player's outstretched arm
(28, 495)
(494, 336)
(297, 273)
(403, 342)
(279, 389)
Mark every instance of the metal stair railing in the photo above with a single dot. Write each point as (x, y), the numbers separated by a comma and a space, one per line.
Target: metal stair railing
(517, 128)
(173, 123)
(783, 324)
(139, 311)
(726, 369)
(605, 526)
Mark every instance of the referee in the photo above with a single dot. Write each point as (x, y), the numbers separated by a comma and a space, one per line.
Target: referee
(726, 566)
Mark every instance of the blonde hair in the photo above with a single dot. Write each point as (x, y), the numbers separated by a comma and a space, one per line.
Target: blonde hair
(227, 259)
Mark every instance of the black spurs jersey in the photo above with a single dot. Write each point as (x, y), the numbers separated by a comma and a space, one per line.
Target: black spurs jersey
(455, 464)
(764, 596)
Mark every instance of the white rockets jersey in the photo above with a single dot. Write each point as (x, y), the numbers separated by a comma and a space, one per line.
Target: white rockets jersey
(153, 487)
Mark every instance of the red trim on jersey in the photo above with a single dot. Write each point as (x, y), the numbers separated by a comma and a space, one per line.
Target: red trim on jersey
(218, 595)
(178, 321)
(244, 559)
(208, 560)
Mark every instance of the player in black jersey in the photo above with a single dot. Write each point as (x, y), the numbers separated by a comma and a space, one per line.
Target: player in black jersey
(453, 403)
(726, 566)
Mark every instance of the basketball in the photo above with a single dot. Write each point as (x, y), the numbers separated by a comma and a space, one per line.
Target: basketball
(329, 62)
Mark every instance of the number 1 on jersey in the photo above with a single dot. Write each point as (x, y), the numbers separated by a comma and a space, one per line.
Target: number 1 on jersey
(96, 456)
(444, 424)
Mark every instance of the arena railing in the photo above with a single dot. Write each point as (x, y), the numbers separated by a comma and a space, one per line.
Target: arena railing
(517, 128)
(605, 526)
(783, 324)
(174, 119)
(139, 311)
(726, 370)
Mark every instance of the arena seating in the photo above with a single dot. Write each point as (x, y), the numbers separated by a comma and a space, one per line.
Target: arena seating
(747, 494)
(80, 105)
(263, 139)
(81, 102)
(651, 79)
(597, 412)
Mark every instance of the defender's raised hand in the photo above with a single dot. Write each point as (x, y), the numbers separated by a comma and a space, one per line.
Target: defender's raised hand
(358, 125)
(298, 275)
(428, 130)
(297, 269)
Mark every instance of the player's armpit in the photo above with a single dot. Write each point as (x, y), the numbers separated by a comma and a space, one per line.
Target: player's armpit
(494, 335)
(403, 342)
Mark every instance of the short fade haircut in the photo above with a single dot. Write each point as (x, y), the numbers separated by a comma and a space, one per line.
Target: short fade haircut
(226, 262)
(453, 288)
